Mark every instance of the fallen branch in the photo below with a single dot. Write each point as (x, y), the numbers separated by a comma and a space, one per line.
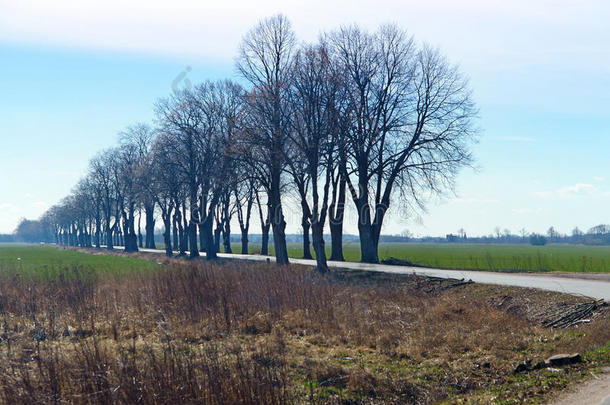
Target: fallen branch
(573, 315)
(459, 283)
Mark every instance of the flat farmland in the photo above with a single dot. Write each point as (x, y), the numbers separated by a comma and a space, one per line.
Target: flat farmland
(48, 263)
(489, 257)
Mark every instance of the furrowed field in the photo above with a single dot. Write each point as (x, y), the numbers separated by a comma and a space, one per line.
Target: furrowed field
(82, 328)
(498, 257)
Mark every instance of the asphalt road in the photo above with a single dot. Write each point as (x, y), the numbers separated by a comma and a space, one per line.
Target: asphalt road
(574, 284)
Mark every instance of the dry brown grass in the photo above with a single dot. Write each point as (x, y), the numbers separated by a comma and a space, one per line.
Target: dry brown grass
(256, 333)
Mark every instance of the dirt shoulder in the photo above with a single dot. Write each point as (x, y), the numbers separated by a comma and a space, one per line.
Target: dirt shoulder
(595, 391)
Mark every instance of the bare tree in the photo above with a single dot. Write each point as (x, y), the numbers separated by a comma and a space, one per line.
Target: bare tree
(227, 209)
(301, 179)
(315, 87)
(411, 121)
(180, 116)
(243, 197)
(336, 209)
(225, 109)
(264, 215)
(552, 233)
(164, 185)
(101, 176)
(523, 232)
(139, 137)
(265, 60)
(124, 166)
(94, 195)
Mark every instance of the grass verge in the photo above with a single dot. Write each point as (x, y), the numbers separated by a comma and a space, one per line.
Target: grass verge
(197, 332)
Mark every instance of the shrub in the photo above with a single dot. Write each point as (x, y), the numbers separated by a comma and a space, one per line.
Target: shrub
(537, 240)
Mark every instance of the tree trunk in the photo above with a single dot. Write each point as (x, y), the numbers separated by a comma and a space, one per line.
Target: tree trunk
(305, 215)
(318, 246)
(306, 243)
(180, 230)
(140, 231)
(244, 219)
(226, 236)
(217, 233)
(109, 244)
(368, 244)
(125, 232)
(98, 225)
(182, 240)
(175, 243)
(336, 242)
(265, 239)
(185, 228)
(149, 228)
(210, 252)
(131, 238)
(265, 224)
(336, 223)
(202, 238)
(278, 224)
(194, 250)
(226, 223)
(167, 235)
(279, 241)
(193, 221)
(133, 241)
(244, 241)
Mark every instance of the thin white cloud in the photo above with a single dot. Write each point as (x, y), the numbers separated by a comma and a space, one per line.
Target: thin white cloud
(566, 192)
(577, 190)
(599, 178)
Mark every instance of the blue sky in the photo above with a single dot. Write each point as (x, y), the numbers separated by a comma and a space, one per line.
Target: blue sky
(73, 74)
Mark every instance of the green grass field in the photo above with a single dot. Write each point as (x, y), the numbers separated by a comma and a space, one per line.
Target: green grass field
(561, 258)
(48, 262)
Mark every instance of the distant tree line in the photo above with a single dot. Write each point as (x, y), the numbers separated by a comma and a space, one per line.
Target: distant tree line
(372, 117)
(6, 238)
(597, 235)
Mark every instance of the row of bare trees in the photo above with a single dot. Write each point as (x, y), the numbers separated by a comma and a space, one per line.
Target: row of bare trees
(368, 116)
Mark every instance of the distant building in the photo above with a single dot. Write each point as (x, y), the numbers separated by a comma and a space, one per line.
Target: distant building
(452, 238)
